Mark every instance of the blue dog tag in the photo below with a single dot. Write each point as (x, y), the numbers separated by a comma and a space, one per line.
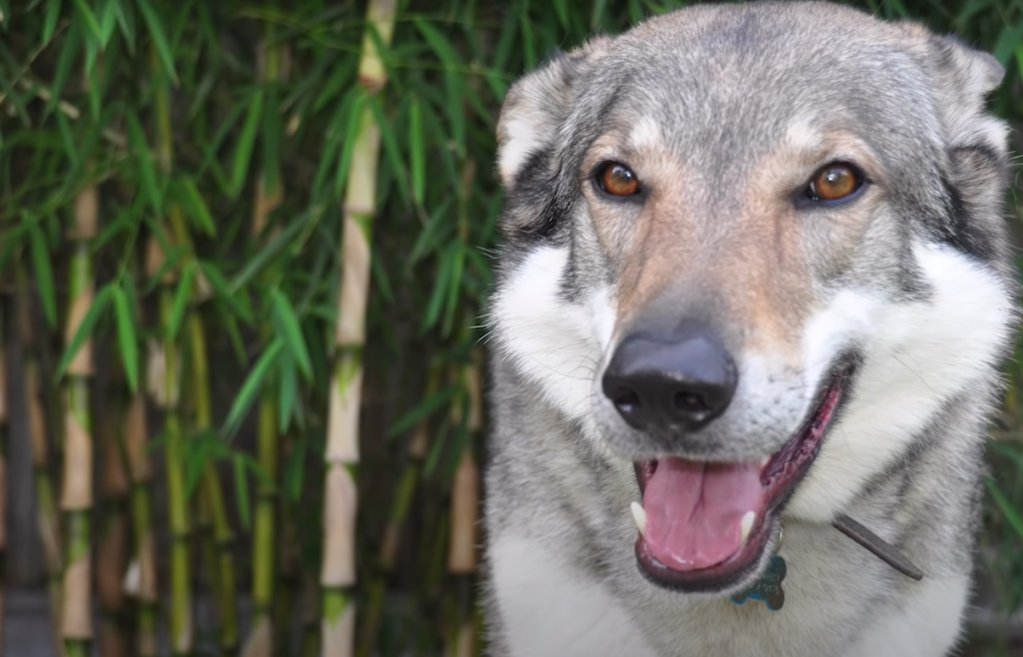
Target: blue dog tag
(768, 588)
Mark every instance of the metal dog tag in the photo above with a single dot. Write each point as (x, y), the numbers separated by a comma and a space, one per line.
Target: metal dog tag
(768, 588)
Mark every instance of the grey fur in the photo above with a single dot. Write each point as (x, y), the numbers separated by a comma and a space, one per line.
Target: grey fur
(724, 84)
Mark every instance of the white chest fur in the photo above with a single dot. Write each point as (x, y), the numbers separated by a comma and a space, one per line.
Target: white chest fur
(549, 608)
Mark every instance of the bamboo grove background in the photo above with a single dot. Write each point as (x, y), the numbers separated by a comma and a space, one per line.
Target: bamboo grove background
(244, 247)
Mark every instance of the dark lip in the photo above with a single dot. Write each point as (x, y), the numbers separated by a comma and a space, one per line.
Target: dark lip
(742, 565)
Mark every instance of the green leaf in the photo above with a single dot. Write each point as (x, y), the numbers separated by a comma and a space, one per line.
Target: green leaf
(1012, 516)
(44, 273)
(417, 153)
(267, 253)
(50, 23)
(356, 120)
(250, 389)
(241, 489)
(245, 145)
(287, 392)
(107, 20)
(126, 338)
(90, 19)
(454, 286)
(163, 49)
(294, 471)
(391, 148)
(181, 297)
(198, 212)
(66, 61)
(146, 165)
(289, 331)
(220, 287)
(437, 297)
(84, 330)
(422, 410)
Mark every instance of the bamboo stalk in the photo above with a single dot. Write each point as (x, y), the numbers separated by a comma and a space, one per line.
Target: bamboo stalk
(269, 195)
(5, 343)
(221, 563)
(407, 486)
(111, 563)
(76, 496)
(337, 574)
(462, 554)
(181, 628)
(141, 576)
(48, 521)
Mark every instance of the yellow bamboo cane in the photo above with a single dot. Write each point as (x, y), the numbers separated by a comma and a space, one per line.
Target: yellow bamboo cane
(269, 195)
(337, 574)
(76, 496)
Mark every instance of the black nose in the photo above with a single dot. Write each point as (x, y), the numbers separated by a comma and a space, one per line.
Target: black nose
(678, 380)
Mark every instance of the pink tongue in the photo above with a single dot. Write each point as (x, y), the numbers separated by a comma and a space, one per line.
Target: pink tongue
(694, 510)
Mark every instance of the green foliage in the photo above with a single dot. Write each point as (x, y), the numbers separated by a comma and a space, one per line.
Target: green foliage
(78, 106)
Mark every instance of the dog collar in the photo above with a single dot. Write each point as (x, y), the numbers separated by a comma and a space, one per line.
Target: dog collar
(768, 588)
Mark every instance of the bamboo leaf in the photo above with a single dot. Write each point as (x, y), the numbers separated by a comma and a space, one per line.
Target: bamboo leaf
(245, 145)
(287, 392)
(126, 338)
(221, 287)
(68, 57)
(288, 330)
(84, 330)
(241, 490)
(417, 153)
(422, 410)
(348, 145)
(43, 272)
(1012, 516)
(250, 389)
(163, 49)
(199, 212)
(181, 297)
(294, 471)
(146, 165)
(266, 254)
(90, 19)
(391, 149)
(50, 24)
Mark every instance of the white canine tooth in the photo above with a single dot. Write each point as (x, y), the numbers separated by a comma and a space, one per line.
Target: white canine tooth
(746, 525)
(639, 515)
(764, 461)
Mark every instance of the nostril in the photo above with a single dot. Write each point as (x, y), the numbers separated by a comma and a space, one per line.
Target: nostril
(627, 401)
(691, 402)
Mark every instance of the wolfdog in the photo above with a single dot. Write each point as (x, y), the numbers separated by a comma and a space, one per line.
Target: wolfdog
(754, 285)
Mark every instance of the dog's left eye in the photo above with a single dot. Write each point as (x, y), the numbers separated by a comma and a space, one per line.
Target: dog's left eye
(834, 182)
(617, 179)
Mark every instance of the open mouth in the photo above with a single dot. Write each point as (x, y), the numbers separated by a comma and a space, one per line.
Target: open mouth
(704, 526)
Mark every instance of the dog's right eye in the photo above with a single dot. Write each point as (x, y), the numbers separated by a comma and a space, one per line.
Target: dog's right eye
(617, 179)
(835, 182)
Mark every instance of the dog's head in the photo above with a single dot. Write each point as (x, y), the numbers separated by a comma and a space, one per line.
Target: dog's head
(743, 240)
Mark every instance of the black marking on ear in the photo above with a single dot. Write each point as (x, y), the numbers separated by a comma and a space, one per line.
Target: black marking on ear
(960, 228)
(956, 229)
(539, 192)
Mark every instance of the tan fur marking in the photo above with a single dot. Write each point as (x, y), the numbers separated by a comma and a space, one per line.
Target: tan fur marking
(743, 254)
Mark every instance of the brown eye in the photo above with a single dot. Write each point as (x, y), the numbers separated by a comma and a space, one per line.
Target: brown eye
(834, 182)
(618, 180)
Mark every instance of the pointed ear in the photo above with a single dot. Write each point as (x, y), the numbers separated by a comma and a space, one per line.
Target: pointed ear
(535, 108)
(965, 77)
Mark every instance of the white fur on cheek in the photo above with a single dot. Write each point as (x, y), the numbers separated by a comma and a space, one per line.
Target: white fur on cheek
(917, 355)
(557, 344)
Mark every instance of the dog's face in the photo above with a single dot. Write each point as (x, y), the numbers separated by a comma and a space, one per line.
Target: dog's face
(750, 250)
